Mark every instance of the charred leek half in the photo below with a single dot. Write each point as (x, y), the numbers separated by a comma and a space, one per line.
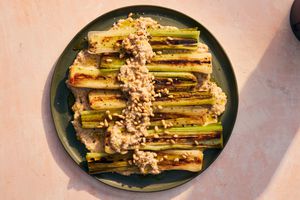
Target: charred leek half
(104, 100)
(191, 137)
(110, 41)
(177, 116)
(190, 160)
(91, 77)
(183, 62)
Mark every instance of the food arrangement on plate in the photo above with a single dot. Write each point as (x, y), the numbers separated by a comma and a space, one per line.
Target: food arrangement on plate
(145, 100)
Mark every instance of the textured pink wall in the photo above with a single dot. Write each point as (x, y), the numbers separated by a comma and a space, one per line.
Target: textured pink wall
(261, 160)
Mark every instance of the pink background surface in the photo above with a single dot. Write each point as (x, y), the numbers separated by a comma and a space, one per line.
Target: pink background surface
(261, 160)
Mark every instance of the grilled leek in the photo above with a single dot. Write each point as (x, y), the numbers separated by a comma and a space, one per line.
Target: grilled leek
(176, 110)
(183, 62)
(91, 77)
(104, 100)
(191, 137)
(110, 41)
(190, 160)
(95, 119)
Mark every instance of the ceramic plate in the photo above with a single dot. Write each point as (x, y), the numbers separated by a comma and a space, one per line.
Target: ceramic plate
(62, 99)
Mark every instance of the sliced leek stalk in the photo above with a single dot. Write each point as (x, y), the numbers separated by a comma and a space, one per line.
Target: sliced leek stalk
(181, 62)
(104, 100)
(190, 137)
(91, 77)
(190, 160)
(110, 41)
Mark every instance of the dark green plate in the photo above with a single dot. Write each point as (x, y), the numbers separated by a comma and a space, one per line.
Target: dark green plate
(61, 98)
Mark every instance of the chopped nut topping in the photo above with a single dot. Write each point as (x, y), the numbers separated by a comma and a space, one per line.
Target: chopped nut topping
(120, 116)
(157, 95)
(170, 80)
(163, 122)
(108, 60)
(130, 19)
(176, 160)
(105, 123)
(130, 162)
(146, 161)
(165, 91)
(186, 154)
(160, 107)
(119, 123)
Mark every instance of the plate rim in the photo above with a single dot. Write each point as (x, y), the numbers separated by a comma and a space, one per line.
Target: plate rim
(53, 90)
